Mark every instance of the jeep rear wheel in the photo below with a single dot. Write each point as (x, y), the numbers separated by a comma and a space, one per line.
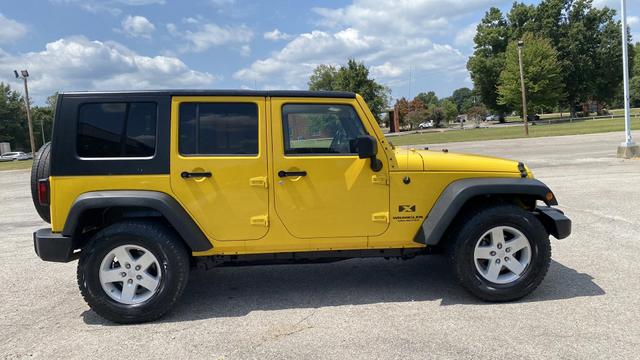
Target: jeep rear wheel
(133, 271)
(501, 253)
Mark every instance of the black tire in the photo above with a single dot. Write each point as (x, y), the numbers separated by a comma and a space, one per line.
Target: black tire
(162, 242)
(478, 222)
(40, 170)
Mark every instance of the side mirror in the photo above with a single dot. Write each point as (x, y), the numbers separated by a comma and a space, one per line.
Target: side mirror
(368, 149)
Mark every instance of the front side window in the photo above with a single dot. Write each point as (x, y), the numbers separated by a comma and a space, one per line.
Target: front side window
(320, 129)
(218, 129)
(108, 130)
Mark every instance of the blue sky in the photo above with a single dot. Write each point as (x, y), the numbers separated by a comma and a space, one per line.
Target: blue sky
(143, 44)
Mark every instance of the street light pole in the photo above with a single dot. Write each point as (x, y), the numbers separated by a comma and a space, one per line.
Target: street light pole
(628, 148)
(522, 89)
(24, 74)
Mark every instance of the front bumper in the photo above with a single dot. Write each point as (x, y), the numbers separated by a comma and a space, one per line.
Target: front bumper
(554, 220)
(50, 246)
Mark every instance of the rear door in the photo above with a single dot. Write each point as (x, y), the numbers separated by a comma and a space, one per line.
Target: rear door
(219, 164)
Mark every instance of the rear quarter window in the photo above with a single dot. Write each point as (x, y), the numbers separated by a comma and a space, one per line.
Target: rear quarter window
(117, 129)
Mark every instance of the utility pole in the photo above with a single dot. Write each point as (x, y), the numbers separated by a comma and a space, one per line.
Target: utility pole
(522, 89)
(628, 149)
(24, 74)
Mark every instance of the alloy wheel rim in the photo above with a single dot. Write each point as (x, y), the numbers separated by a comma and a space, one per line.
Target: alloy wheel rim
(502, 255)
(130, 274)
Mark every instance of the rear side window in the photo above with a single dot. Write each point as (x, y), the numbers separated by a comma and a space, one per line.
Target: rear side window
(218, 129)
(107, 130)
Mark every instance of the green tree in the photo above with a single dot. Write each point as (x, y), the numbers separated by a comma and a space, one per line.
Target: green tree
(477, 113)
(415, 117)
(634, 91)
(323, 78)
(549, 20)
(590, 73)
(634, 84)
(429, 99)
(522, 19)
(463, 98)
(542, 75)
(450, 110)
(587, 40)
(437, 114)
(606, 79)
(417, 104)
(352, 77)
(402, 105)
(487, 61)
(42, 117)
(635, 68)
(13, 119)
(52, 100)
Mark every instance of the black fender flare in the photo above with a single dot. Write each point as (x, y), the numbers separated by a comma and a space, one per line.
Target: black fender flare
(456, 194)
(163, 203)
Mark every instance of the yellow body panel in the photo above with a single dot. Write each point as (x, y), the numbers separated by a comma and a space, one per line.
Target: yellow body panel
(338, 197)
(342, 204)
(229, 204)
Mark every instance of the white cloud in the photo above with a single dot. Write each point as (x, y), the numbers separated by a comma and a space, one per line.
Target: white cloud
(276, 35)
(109, 6)
(401, 17)
(10, 30)
(610, 3)
(389, 36)
(386, 70)
(77, 63)
(389, 57)
(211, 35)
(615, 4)
(140, 2)
(464, 38)
(222, 2)
(245, 50)
(138, 26)
(191, 20)
(633, 21)
(298, 58)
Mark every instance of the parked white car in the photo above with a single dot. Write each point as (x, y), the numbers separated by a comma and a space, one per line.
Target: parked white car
(426, 124)
(15, 155)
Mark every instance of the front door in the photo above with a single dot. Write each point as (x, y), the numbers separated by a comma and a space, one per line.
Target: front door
(219, 164)
(322, 188)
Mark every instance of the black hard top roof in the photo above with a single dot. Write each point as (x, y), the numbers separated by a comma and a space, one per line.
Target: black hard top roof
(183, 92)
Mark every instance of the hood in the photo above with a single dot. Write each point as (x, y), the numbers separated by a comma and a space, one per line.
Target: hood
(431, 160)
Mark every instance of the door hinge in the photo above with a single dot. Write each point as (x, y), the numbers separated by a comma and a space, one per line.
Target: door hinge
(259, 181)
(380, 217)
(380, 179)
(260, 220)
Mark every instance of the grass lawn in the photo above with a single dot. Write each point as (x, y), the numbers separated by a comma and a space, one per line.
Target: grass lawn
(634, 111)
(575, 128)
(15, 165)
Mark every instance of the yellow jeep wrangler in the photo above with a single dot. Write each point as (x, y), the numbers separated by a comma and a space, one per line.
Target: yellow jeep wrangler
(143, 186)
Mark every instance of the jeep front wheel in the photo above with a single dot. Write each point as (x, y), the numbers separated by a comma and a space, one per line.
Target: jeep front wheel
(133, 271)
(501, 253)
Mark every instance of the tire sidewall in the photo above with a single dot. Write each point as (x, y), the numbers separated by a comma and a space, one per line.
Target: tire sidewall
(532, 275)
(169, 288)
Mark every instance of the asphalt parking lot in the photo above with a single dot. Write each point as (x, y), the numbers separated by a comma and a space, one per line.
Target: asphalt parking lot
(587, 307)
